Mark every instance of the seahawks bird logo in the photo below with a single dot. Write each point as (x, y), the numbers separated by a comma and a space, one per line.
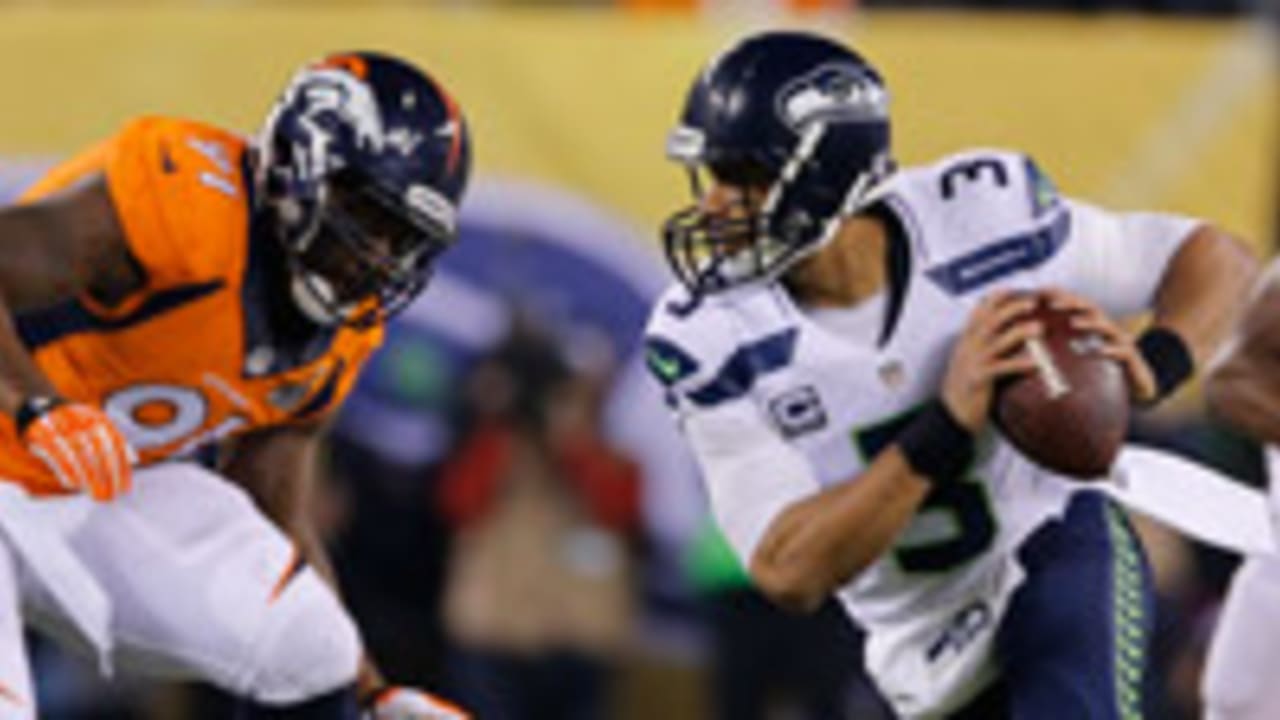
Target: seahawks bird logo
(832, 92)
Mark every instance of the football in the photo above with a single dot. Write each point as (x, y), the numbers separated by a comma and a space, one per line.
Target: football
(1071, 414)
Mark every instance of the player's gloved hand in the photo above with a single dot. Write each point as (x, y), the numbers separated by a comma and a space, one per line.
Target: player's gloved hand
(1118, 343)
(81, 446)
(402, 703)
(987, 350)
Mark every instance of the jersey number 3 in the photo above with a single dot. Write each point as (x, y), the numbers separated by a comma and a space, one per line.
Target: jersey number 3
(972, 171)
(954, 523)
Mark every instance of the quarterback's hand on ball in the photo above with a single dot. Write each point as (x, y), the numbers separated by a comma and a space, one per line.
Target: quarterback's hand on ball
(1118, 343)
(82, 448)
(402, 703)
(989, 348)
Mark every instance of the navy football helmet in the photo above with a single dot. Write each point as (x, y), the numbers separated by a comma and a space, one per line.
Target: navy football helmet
(362, 164)
(799, 119)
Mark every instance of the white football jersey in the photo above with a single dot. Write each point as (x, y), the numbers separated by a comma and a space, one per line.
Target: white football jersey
(778, 402)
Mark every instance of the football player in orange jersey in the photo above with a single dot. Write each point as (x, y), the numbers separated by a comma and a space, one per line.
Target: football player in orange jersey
(177, 287)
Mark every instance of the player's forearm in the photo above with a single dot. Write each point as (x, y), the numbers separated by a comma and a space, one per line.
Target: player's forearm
(20, 377)
(1204, 288)
(822, 542)
(278, 467)
(1246, 394)
(369, 679)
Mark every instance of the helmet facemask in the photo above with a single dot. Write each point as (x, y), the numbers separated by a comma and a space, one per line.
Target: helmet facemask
(364, 255)
(715, 250)
(777, 219)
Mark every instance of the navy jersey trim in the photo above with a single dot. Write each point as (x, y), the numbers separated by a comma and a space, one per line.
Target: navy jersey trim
(38, 328)
(666, 361)
(739, 373)
(897, 266)
(1003, 257)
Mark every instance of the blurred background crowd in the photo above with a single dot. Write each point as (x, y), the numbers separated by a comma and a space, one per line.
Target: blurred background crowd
(511, 515)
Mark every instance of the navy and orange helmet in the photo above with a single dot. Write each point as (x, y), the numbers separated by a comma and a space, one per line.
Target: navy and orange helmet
(362, 164)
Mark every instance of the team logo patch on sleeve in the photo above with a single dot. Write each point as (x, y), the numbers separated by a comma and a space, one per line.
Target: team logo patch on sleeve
(1044, 195)
(668, 362)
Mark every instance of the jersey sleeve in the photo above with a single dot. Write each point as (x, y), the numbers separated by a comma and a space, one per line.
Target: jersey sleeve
(991, 215)
(978, 212)
(179, 194)
(682, 344)
(750, 472)
(1119, 259)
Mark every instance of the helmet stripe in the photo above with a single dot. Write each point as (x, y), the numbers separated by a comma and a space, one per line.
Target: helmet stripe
(455, 118)
(353, 64)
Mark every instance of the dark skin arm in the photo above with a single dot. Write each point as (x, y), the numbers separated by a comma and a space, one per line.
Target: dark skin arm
(55, 249)
(1243, 385)
(279, 468)
(817, 544)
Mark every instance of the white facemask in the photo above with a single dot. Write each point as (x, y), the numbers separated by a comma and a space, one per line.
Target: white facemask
(314, 296)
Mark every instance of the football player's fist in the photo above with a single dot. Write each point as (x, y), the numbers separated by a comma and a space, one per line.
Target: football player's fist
(989, 348)
(402, 703)
(81, 446)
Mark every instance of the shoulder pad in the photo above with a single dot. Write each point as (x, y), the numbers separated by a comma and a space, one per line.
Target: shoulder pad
(977, 195)
(979, 215)
(685, 338)
(714, 351)
(181, 194)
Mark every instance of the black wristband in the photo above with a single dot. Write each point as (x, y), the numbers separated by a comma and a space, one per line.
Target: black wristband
(1168, 357)
(32, 408)
(936, 445)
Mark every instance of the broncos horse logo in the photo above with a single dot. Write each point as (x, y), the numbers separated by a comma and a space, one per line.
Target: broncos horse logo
(333, 105)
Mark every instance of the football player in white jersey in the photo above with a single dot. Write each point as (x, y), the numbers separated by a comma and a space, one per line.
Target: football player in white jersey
(830, 355)
(1243, 387)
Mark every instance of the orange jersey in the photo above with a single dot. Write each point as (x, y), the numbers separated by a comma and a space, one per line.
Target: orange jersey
(193, 356)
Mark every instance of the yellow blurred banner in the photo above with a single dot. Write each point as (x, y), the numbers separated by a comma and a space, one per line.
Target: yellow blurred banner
(1129, 112)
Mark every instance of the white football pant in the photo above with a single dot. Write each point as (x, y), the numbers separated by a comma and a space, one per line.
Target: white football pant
(1239, 678)
(201, 585)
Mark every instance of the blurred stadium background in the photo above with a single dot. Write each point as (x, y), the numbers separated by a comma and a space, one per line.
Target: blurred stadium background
(1168, 104)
